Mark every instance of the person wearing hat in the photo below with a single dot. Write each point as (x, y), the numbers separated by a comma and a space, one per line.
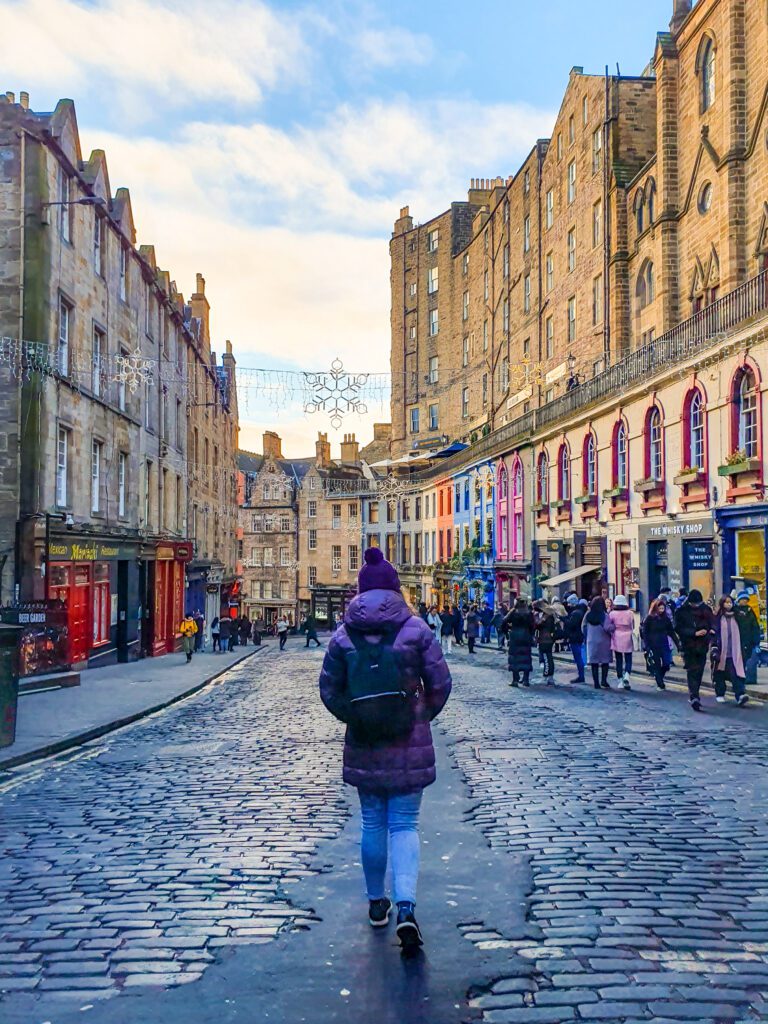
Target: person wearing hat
(695, 626)
(384, 676)
(622, 639)
(574, 635)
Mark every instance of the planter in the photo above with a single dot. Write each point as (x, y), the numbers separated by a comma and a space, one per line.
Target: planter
(586, 499)
(539, 508)
(560, 503)
(646, 486)
(689, 476)
(616, 493)
(734, 468)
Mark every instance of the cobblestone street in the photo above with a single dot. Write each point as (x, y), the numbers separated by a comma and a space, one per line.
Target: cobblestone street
(588, 856)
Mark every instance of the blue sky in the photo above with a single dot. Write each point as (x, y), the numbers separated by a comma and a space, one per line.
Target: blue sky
(270, 145)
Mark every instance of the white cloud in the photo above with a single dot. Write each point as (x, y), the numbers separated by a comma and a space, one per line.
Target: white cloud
(230, 50)
(392, 47)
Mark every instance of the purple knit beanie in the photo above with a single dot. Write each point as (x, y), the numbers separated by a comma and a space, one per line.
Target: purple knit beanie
(377, 573)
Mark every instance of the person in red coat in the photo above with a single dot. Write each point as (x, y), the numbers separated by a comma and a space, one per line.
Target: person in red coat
(389, 759)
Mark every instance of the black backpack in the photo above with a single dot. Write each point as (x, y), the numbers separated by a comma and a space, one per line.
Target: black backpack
(381, 709)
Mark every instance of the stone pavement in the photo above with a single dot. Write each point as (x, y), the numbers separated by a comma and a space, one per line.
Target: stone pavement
(587, 857)
(53, 720)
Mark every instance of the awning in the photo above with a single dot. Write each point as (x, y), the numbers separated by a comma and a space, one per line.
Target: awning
(572, 575)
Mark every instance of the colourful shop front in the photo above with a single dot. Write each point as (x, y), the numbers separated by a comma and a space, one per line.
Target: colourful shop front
(166, 607)
(744, 532)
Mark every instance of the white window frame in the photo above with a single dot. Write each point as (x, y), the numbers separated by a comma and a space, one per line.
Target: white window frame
(434, 369)
(434, 323)
(571, 243)
(527, 293)
(550, 213)
(433, 279)
(572, 318)
(549, 337)
(433, 240)
(527, 234)
(65, 330)
(62, 467)
(336, 558)
(465, 403)
(571, 182)
(122, 479)
(97, 359)
(97, 451)
(312, 540)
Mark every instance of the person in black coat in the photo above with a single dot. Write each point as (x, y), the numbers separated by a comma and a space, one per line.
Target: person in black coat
(548, 631)
(244, 629)
(225, 633)
(519, 627)
(656, 632)
(574, 635)
(458, 625)
(695, 625)
(486, 619)
(751, 634)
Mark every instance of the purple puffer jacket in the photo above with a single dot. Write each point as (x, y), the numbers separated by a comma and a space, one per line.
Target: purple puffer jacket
(408, 763)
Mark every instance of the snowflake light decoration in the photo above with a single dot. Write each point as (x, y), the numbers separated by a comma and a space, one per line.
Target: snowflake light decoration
(133, 370)
(335, 392)
(393, 488)
(526, 372)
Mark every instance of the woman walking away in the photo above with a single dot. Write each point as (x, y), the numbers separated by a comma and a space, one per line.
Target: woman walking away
(695, 625)
(622, 641)
(598, 630)
(385, 678)
(458, 626)
(473, 628)
(446, 630)
(520, 628)
(215, 635)
(574, 635)
(728, 653)
(547, 633)
(498, 619)
(657, 632)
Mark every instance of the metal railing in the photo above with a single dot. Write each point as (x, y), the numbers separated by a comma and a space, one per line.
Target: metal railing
(704, 330)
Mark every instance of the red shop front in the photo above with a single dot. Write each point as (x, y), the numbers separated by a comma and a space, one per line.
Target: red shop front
(168, 596)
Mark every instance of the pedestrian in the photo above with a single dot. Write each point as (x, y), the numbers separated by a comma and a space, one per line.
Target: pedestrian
(446, 629)
(622, 640)
(282, 631)
(225, 633)
(458, 625)
(751, 634)
(695, 626)
(498, 621)
(338, 618)
(200, 634)
(244, 629)
(598, 630)
(433, 621)
(256, 632)
(215, 635)
(423, 612)
(310, 627)
(682, 594)
(728, 647)
(574, 635)
(188, 631)
(548, 632)
(520, 628)
(385, 678)
(656, 632)
(486, 620)
(473, 625)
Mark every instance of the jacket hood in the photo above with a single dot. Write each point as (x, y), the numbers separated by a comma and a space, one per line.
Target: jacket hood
(375, 609)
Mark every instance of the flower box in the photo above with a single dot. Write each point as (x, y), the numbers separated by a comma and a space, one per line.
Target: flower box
(648, 485)
(689, 476)
(744, 466)
(586, 499)
(539, 507)
(560, 503)
(616, 493)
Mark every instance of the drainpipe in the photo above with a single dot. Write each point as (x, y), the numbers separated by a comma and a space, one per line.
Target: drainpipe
(606, 232)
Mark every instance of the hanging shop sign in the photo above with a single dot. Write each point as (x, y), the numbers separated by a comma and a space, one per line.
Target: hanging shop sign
(88, 551)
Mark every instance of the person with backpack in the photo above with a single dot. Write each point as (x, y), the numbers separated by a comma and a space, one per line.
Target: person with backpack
(695, 625)
(598, 631)
(727, 652)
(386, 679)
(548, 632)
(622, 640)
(188, 630)
(656, 633)
(520, 628)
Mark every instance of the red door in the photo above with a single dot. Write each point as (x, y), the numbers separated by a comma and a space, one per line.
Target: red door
(80, 613)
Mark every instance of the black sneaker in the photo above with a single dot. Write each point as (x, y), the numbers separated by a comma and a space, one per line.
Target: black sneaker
(696, 704)
(661, 684)
(407, 929)
(379, 911)
(605, 686)
(743, 700)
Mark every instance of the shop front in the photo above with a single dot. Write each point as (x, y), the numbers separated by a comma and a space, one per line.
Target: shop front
(745, 541)
(328, 602)
(677, 555)
(167, 596)
(97, 582)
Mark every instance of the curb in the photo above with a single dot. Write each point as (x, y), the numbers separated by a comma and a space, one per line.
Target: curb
(59, 746)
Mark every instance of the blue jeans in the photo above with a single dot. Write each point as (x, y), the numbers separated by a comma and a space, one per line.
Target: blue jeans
(398, 817)
(577, 650)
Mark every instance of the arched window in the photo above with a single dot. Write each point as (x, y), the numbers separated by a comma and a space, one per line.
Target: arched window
(542, 480)
(651, 201)
(590, 465)
(621, 450)
(639, 211)
(708, 66)
(695, 420)
(466, 495)
(517, 509)
(654, 441)
(564, 473)
(747, 413)
(502, 519)
(503, 483)
(646, 285)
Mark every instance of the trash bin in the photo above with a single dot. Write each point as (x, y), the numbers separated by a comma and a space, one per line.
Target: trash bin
(9, 682)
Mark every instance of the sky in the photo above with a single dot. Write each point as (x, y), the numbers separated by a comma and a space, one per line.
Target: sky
(270, 145)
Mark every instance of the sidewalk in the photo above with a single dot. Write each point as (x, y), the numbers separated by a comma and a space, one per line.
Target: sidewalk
(675, 679)
(50, 721)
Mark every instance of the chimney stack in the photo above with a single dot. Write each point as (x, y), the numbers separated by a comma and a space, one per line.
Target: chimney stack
(322, 451)
(350, 450)
(271, 445)
(201, 309)
(10, 97)
(681, 10)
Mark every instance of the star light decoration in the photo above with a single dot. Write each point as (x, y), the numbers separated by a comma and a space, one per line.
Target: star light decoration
(335, 392)
(526, 372)
(133, 370)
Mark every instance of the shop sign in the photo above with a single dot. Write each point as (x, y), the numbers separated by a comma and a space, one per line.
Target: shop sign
(88, 551)
(592, 553)
(699, 555)
(676, 530)
(164, 551)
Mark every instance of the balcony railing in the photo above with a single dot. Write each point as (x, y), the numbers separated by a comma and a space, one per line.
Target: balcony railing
(704, 330)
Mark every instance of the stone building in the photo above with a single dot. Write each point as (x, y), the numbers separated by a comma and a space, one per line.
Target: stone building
(95, 394)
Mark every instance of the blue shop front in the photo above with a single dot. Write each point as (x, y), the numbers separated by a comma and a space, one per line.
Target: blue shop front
(744, 532)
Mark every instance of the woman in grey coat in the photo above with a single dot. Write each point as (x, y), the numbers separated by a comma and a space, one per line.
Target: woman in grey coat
(598, 630)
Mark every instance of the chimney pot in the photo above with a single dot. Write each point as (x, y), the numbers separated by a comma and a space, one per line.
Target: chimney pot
(24, 100)
(10, 97)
